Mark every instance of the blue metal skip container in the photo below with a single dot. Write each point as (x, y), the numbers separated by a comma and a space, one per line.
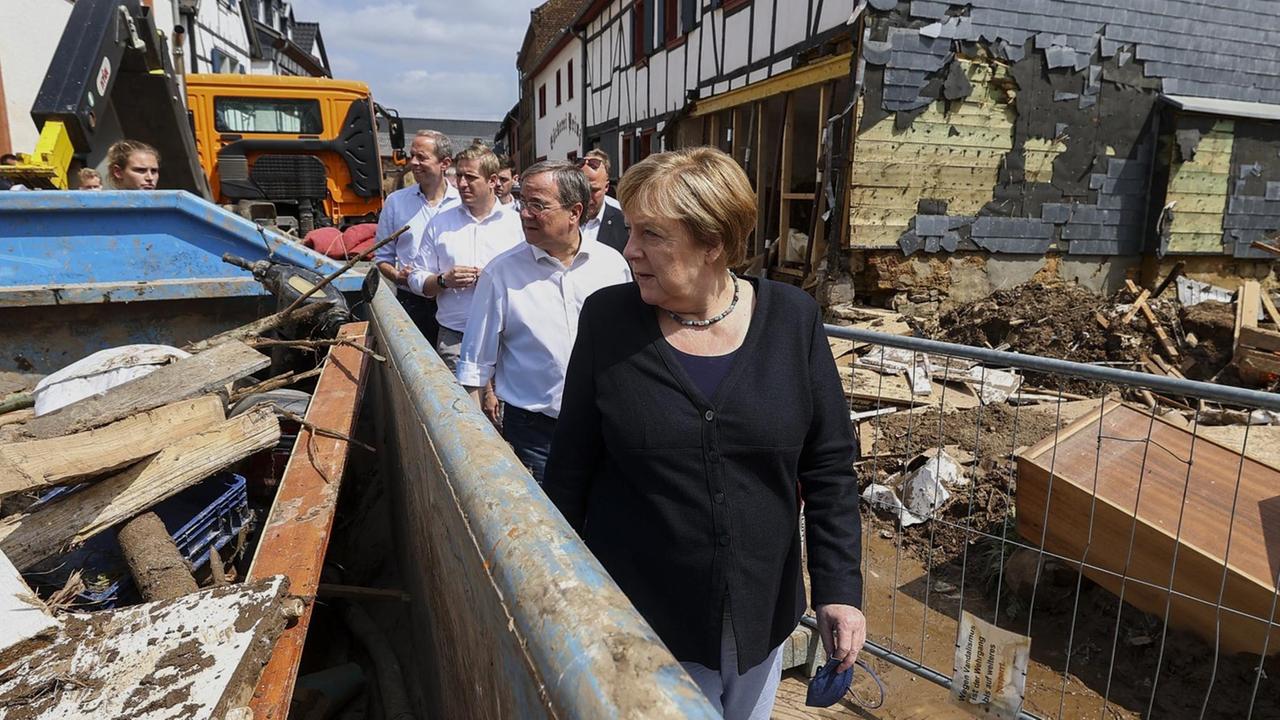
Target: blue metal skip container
(81, 271)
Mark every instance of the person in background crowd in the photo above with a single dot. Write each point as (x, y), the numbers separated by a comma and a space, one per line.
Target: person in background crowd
(451, 176)
(430, 155)
(605, 222)
(700, 411)
(133, 165)
(598, 171)
(459, 243)
(89, 179)
(524, 316)
(507, 178)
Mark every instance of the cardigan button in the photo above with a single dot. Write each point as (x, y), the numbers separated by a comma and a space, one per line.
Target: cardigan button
(719, 498)
(713, 456)
(710, 415)
(724, 539)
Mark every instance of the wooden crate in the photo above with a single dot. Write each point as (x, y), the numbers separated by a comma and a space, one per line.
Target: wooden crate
(1139, 486)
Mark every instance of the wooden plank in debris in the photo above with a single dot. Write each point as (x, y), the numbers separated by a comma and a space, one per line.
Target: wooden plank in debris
(1260, 442)
(1268, 340)
(189, 377)
(29, 538)
(1258, 361)
(840, 347)
(41, 463)
(1140, 486)
(28, 624)
(192, 657)
(1270, 308)
(873, 387)
(1170, 349)
(1137, 307)
(296, 533)
(1247, 301)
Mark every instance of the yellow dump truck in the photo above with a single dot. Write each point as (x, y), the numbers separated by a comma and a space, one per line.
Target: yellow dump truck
(308, 146)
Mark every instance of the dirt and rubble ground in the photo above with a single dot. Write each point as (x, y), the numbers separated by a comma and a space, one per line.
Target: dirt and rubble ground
(1086, 644)
(1092, 667)
(1059, 320)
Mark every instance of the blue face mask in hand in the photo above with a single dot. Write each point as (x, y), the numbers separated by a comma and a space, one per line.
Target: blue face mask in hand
(828, 686)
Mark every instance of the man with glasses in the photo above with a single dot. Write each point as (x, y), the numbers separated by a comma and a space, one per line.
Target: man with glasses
(430, 154)
(459, 243)
(524, 317)
(507, 178)
(605, 221)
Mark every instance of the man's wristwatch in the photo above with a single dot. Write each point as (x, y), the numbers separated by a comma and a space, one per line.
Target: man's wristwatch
(440, 280)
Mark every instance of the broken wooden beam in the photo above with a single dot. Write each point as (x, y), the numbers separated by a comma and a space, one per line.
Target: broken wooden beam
(50, 529)
(1170, 349)
(200, 374)
(262, 326)
(41, 463)
(1268, 340)
(28, 624)
(1270, 308)
(1169, 279)
(192, 657)
(156, 564)
(1257, 361)
(1116, 502)
(1246, 308)
(295, 535)
(1137, 307)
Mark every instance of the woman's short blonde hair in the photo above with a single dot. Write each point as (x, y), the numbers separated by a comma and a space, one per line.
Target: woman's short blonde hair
(701, 187)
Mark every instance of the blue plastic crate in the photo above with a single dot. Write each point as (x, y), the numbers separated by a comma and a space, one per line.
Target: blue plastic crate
(208, 515)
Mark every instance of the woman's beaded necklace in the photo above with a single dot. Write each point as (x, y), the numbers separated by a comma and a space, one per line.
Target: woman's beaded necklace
(711, 320)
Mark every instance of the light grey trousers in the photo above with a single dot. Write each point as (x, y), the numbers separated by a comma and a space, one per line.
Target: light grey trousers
(739, 697)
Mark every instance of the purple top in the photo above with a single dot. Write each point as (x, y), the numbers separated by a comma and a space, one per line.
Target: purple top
(706, 371)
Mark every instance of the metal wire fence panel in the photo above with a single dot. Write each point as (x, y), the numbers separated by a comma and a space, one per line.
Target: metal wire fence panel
(1128, 531)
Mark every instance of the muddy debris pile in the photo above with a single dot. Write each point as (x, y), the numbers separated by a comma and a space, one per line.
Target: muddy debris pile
(962, 462)
(136, 484)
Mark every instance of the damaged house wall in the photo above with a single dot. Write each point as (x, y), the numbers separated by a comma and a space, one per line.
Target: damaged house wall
(997, 134)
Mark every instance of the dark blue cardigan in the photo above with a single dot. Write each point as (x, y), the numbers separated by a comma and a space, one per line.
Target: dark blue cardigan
(690, 501)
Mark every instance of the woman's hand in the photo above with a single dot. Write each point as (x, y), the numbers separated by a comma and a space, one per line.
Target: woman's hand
(843, 629)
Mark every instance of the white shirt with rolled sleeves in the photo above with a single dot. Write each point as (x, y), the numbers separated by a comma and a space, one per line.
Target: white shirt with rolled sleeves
(457, 238)
(408, 206)
(525, 320)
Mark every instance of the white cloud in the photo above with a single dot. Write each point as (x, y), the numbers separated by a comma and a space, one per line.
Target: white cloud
(427, 58)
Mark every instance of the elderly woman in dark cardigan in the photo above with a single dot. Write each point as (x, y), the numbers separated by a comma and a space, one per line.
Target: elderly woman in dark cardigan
(701, 412)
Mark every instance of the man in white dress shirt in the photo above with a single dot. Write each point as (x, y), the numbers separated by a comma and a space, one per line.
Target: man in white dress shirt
(459, 243)
(430, 154)
(524, 317)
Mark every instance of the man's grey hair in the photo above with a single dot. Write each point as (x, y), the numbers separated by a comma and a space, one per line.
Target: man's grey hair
(571, 183)
(441, 145)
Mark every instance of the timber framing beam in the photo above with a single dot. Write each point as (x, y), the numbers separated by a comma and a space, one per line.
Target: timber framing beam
(296, 534)
(832, 68)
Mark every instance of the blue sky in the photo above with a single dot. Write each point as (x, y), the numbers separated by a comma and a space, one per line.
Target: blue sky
(426, 58)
